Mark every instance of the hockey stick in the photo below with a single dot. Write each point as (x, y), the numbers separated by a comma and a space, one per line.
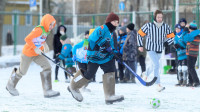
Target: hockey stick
(133, 73)
(58, 65)
(76, 65)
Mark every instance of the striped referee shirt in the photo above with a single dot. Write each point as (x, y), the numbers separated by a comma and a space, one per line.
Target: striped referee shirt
(155, 37)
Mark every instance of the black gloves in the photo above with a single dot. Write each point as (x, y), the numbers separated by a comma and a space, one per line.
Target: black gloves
(186, 29)
(57, 60)
(178, 46)
(119, 57)
(106, 48)
(166, 44)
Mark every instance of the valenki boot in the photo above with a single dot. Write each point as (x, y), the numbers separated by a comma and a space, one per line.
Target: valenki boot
(47, 85)
(76, 83)
(12, 82)
(109, 89)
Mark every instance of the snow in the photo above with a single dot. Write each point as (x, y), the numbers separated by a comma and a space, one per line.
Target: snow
(137, 96)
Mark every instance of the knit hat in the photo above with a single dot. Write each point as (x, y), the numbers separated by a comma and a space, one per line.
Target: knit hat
(63, 37)
(178, 26)
(123, 29)
(111, 17)
(182, 20)
(193, 25)
(131, 26)
(87, 32)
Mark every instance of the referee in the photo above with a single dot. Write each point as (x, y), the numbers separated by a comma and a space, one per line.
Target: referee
(158, 34)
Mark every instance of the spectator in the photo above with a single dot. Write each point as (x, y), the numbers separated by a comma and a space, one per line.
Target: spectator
(192, 51)
(130, 52)
(61, 30)
(120, 42)
(9, 40)
(180, 46)
(182, 22)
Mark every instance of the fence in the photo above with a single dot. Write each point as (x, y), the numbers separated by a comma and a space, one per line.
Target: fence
(20, 24)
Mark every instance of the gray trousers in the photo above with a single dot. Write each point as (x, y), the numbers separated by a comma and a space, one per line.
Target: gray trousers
(26, 61)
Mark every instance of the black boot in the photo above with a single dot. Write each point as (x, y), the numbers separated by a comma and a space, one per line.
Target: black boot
(196, 84)
(184, 83)
(189, 85)
(179, 82)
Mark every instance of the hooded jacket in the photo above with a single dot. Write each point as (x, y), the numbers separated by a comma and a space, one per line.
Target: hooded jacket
(36, 37)
(57, 46)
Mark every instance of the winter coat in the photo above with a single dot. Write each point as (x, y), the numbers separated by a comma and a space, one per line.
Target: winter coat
(193, 40)
(66, 54)
(38, 36)
(181, 52)
(9, 40)
(120, 41)
(57, 46)
(96, 40)
(130, 47)
(80, 51)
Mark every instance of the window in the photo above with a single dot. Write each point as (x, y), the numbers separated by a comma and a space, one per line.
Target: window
(13, 17)
(28, 18)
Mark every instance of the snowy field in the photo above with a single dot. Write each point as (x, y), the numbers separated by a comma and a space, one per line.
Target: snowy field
(137, 96)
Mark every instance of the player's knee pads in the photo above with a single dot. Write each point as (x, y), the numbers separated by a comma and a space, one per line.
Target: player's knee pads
(179, 68)
(184, 68)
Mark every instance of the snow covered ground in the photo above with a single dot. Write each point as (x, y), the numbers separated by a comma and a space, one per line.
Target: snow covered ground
(137, 97)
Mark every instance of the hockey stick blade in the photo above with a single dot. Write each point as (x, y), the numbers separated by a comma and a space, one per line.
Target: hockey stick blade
(139, 78)
(58, 65)
(133, 73)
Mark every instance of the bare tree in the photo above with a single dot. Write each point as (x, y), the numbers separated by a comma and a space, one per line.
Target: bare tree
(115, 6)
(137, 9)
(103, 8)
(47, 9)
(2, 8)
(46, 6)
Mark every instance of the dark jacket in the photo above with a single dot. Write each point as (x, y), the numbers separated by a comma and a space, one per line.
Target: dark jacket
(144, 53)
(57, 46)
(130, 47)
(9, 40)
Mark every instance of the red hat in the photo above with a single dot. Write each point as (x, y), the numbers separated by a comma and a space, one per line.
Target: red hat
(111, 17)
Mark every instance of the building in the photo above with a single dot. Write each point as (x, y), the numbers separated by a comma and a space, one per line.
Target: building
(21, 7)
